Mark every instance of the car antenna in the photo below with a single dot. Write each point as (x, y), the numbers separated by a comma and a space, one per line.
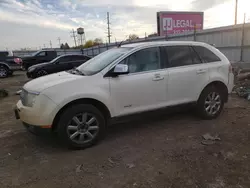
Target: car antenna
(119, 45)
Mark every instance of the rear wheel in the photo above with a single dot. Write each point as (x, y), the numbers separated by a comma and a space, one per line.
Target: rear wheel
(81, 126)
(41, 73)
(3, 71)
(210, 103)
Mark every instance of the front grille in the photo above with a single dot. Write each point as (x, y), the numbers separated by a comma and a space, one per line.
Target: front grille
(24, 97)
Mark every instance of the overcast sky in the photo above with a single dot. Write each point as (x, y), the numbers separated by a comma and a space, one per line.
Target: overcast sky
(33, 23)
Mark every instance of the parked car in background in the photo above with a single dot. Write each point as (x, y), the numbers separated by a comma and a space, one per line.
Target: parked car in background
(60, 63)
(9, 63)
(123, 81)
(38, 57)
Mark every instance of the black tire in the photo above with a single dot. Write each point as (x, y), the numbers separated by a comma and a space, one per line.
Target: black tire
(41, 73)
(66, 118)
(3, 71)
(10, 73)
(204, 99)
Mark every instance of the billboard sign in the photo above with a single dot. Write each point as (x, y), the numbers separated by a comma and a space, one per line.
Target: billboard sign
(178, 22)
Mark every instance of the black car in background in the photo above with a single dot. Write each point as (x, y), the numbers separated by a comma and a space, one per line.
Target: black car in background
(61, 63)
(9, 63)
(38, 57)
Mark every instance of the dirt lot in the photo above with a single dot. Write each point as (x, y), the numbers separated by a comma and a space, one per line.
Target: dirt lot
(158, 151)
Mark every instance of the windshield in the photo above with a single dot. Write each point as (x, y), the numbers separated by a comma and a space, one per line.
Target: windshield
(102, 60)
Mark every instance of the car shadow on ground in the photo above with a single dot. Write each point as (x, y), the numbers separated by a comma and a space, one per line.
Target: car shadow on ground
(121, 127)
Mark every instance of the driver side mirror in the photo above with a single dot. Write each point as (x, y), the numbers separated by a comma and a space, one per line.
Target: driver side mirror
(120, 69)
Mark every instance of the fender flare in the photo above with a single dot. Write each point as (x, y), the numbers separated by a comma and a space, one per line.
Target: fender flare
(2, 63)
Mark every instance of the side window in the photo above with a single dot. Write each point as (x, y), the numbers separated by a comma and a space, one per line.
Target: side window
(206, 55)
(80, 57)
(64, 59)
(144, 60)
(181, 56)
(75, 58)
(50, 53)
(195, 57)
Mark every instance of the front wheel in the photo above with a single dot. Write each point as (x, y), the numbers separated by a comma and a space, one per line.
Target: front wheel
(3, 72)
(81, 126)
(41, 73)
(210, 103)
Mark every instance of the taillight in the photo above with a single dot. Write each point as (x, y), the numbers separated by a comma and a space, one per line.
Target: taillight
(18, 60)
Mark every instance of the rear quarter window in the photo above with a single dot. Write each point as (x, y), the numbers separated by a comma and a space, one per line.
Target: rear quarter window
(206, 55)
(181, 56)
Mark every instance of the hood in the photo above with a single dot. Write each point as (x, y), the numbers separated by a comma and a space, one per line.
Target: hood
(39, 65)
(44, 82)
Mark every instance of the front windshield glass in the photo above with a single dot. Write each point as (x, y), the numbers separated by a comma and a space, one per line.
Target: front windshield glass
(102, 60)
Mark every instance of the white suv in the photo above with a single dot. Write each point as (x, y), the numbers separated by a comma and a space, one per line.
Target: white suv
(126, 80)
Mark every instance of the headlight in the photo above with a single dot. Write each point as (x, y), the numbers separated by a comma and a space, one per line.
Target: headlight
(28, 98)
(31, 97)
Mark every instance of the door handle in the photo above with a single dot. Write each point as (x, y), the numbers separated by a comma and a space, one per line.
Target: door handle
(201, 71)
(158, 77)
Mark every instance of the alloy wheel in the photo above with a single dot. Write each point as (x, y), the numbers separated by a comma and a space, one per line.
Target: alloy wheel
(41, 73)
(3, 72)
(83, 128)
(213, 103)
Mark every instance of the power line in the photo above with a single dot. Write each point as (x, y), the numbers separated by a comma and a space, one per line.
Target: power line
(109, 34)
(74, 36)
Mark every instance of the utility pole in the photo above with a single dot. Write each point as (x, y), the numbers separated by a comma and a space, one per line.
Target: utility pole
(236, 12)
(59, 40)
(242, 39)
(79, 41)
(195, 31)
(50, 43)
(109, 35)
(74, 36)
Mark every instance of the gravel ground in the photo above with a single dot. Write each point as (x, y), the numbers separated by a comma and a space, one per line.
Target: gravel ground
(159, 151)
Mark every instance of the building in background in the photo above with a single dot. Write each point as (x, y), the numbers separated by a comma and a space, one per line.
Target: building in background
(169, 22)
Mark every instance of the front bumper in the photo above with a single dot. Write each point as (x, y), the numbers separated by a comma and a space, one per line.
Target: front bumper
(34, 129)
(41, 114)
(39, 131)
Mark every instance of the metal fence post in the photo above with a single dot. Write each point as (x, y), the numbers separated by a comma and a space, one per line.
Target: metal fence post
(99, 48)
(195, 32)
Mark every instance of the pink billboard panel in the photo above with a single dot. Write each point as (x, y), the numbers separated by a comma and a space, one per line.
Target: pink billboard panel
(178, 22)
